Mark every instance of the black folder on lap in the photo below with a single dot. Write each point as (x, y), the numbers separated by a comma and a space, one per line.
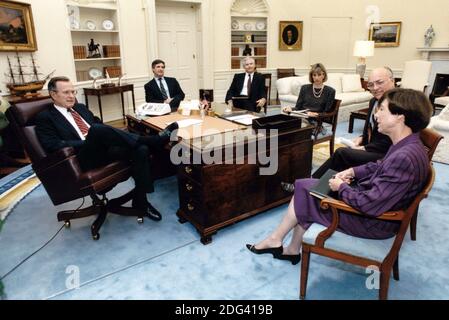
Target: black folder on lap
(240, 102)
(322, 189)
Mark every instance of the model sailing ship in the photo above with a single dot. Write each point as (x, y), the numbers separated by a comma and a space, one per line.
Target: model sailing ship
(23, 82)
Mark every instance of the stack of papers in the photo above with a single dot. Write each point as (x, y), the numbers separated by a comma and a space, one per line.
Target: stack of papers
(246, 119)
(346, 142)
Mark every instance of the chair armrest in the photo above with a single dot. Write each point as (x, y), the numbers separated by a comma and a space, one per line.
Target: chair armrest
(54, 158)
(326, 203)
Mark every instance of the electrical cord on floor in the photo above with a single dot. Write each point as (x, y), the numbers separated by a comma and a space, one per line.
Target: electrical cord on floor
(46, 244)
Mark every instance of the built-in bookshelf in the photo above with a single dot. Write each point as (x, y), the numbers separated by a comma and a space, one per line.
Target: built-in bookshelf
(248, 38)
(95, 26)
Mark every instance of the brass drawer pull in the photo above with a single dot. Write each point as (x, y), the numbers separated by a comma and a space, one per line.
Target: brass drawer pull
(189, 187)
(190, 207)
(188, 170)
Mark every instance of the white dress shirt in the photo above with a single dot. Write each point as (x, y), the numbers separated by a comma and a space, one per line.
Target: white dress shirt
(165, 85)
(245, 84)
(66, 113)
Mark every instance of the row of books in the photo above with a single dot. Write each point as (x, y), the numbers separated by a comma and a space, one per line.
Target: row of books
(79, 52)
(111, 51)
(113, 71)
(260, 51)
(259, 38)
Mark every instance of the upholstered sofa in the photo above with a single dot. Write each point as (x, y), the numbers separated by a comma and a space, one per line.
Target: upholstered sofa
(440, 123)
(348, 89)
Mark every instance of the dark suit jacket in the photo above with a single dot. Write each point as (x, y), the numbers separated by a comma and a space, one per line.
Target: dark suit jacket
(379, 142)
(55, 132)
(257, 91)
(153, 93)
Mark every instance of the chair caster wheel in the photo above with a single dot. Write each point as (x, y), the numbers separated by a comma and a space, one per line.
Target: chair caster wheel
(139, 220)
(96, 236)
(67, 224)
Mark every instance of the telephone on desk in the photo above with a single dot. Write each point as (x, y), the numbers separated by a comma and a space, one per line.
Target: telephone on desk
(153, 109)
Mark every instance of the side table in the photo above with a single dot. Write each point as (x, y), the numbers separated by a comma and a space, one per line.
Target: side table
(359, 114)
(99, 92)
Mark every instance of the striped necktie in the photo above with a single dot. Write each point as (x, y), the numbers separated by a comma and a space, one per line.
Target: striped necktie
(248, 85)
(79, 122)
(163, 91)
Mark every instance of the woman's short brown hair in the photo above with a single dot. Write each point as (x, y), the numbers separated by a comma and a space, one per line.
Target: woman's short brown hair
(317, 68)
(413, 104)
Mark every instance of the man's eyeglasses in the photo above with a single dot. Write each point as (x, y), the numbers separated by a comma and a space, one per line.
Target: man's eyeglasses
(67, 92)
(378, 83)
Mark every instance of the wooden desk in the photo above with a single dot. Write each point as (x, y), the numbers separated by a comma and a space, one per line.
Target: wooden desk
(213, 196)
(110, 90)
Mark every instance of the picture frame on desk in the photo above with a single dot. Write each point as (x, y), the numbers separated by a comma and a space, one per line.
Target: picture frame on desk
(17, 27)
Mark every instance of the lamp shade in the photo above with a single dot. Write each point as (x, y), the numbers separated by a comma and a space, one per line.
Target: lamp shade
(363, 48)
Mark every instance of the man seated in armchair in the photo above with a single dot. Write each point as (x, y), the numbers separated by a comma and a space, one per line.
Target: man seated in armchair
(70, 124)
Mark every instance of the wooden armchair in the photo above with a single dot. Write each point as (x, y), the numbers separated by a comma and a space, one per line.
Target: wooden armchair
(384, 254)
(430, 139)
(327, 120)
(62, 177)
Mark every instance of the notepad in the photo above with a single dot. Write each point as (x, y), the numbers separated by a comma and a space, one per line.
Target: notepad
(322, 189)
(346, 142)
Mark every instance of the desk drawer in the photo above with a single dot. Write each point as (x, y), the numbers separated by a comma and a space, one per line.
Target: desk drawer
(190, 171)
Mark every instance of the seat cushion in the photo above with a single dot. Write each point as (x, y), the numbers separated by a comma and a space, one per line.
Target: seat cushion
(339, 241)
(443, 101)
(334, 81)
(348, 98)
(284, 85)
(297, 83)
(351, 83)
(288, 99)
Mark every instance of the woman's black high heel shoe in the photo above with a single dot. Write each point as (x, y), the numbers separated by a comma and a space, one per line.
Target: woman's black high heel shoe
(293, 258)
(276, 252)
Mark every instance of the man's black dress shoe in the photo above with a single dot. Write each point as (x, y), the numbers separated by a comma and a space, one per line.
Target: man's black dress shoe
(166, 133)
(152, 213)
(293, 258)
(289, 187)
(274, 251)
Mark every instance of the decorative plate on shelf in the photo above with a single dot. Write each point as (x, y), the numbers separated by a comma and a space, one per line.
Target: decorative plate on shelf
(247, 26)
(90, 25)
(260, 25)
(108, 24)
(95, 73)
(235, 25)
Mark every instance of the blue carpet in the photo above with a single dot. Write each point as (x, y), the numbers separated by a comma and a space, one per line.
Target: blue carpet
(165, 260)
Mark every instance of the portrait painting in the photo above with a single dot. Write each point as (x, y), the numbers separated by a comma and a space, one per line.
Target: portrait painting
(385, 34)
(290, 35)
(16, 27)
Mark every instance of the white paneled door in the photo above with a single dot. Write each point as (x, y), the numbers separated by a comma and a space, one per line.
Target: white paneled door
(177, 44)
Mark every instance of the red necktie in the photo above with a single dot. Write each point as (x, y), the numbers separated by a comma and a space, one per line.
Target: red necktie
(79, 122)
(249, 85)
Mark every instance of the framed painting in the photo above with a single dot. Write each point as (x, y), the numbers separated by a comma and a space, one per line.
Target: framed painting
(385, 34)
(16, 27)
(290, 35)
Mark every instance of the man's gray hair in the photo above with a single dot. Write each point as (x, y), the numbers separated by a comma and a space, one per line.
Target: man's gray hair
(390, 72)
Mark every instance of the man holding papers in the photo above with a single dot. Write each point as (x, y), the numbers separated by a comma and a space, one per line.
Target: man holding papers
(163, 89)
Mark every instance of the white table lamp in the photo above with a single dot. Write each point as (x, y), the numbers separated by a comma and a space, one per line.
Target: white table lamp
(363, 49)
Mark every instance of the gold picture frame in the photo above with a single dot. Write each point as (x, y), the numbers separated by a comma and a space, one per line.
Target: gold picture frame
(16, 27)
(290, 35)
(385, 34)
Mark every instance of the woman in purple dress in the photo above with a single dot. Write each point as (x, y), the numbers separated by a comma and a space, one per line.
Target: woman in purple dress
(389, 184)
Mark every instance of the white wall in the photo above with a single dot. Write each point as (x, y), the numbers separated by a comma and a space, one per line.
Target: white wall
(416, 16)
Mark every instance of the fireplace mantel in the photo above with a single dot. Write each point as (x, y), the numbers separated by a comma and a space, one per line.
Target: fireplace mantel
(434, 53)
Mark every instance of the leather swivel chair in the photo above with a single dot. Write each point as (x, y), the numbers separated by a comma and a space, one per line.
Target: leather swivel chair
(62, 177)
